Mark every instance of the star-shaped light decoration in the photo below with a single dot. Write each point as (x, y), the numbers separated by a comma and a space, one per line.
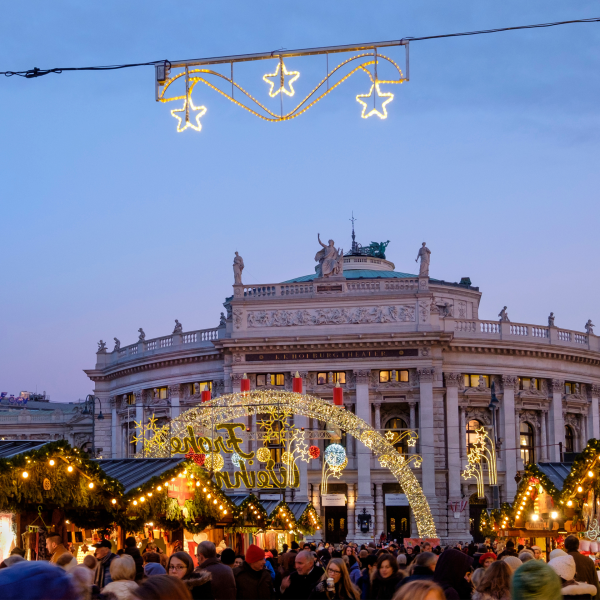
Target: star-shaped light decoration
(375, 89)
(282, 73)
(184, 120)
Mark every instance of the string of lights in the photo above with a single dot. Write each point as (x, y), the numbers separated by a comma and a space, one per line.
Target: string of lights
(36, 72)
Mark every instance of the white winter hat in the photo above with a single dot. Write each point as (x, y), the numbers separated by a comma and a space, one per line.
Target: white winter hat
(557, 552)
(564, 566)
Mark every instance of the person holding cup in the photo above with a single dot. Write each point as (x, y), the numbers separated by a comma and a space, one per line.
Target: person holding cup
(335, 583)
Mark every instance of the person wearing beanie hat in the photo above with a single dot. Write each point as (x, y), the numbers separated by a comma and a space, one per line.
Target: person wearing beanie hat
(485, 560)
(564, 567)
(253, 581)
(154, 568)
(526, 555)
(557, 552)
(535, 580)
(586, 571)
(513, 562)
(132, 550)
(38, 580)
(537, 552)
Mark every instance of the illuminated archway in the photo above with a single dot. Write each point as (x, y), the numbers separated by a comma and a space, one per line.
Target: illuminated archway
(231, 407)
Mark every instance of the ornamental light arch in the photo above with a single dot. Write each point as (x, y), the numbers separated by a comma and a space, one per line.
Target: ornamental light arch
(202, 420)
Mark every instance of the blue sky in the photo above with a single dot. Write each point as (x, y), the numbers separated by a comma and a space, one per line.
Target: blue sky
(111, 220)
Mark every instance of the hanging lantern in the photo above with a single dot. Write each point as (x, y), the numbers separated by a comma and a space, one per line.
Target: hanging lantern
(245, 384)
(338, 395)
(205, 395)
(297, 384)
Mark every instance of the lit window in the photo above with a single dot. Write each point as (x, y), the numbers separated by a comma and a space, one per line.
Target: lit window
(321, 378)
(399, 426)
(472, 380)
(472, 426)
(384, 376)
(130, 399)
(278, 379)
(571, 387)
(529, 383)
(339, 377)
(527, 444)
(200, 386)
(403, 376)
(160, 393)
(388, 376)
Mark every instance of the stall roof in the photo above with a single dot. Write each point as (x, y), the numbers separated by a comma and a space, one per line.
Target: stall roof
(238, 499)
(297, 508)
(10, 448)
(134, 472)
(556, 472)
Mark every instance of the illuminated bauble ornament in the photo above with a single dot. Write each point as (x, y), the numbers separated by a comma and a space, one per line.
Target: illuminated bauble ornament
(314, 452)
(286, 457)
(335, 455)
(214, 462)
(263, 454)
(47, 484)
(236, 459)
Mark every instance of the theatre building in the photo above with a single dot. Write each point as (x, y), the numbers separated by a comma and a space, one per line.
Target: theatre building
(409, 351)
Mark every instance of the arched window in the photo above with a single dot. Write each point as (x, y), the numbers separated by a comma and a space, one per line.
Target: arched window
(527, 444)
(472, 427)
(569, 439)
(399, 426)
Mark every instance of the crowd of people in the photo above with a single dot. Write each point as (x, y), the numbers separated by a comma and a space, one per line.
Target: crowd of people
(310, 572)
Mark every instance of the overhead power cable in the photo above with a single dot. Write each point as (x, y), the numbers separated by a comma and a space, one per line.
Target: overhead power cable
(36, 72)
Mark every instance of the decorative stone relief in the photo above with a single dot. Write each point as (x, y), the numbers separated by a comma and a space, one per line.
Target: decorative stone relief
(112, 401)
(425, 351)
(530, 416)
(558, 385)
(139, 397)
(238, 313)
(175, 390)
(218, 386)
(425, 375)
(238, 358)
(424, 306)
(594, 390)
(572, 420)
(462, 310)
(453, 379)
(237, 377)
(480, 414)
(331, 316)
(362, 376)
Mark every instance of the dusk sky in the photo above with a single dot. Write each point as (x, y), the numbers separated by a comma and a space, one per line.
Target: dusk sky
(111, 220)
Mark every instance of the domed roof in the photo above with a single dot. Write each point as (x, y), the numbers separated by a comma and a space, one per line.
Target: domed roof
(359, 274)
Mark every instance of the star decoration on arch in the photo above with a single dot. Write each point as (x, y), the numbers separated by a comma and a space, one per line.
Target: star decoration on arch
(375, 92)
(184, 120)
(282, 73)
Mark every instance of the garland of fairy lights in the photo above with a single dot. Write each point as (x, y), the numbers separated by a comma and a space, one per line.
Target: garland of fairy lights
(231, 407)
(188, 116)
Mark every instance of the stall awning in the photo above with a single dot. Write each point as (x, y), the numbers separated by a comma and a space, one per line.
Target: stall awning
(556, 472)
(9, 448)
(134, 472)
(298, 508)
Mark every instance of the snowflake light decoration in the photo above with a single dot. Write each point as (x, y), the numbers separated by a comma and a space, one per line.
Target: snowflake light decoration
(335, 455)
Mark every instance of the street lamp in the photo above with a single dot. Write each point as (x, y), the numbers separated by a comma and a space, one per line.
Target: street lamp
(493, 405)
(364, 521)
(89, 408)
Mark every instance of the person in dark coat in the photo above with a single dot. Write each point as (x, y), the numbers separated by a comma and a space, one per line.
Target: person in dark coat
(584, 567)
(424, 567)
(253, 581)
(450, 571)
(301, 582)
(508, 551)
(133, 551)
(386, 579)
(481, 550)
(181, 566)
(223, 582)
(364, 581)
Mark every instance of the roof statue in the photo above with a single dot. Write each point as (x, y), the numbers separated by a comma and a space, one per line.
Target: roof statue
(117, 345)
(425, 255)
(504, 316)
(589, 327)
(101, 347)
(178, 327)
(238, 267)
(551, 320)
(374, 249)
(142, 335)
(330, 259)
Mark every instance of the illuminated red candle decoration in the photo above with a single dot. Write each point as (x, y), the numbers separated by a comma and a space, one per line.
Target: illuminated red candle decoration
(297, 384)
(338, 395)
(205, 394)
(245, 384)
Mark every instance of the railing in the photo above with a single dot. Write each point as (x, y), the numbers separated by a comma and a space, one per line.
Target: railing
(541, 332)
(518, 330)
(401, 285)
(291, 289)
(564, 336)
(489, 327)
(363, 286)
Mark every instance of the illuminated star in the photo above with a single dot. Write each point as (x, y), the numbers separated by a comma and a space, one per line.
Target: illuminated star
(281, 89)
(375, 111)
(184, 121)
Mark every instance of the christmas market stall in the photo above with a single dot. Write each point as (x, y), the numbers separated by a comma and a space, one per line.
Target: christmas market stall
(51, 487)
(287, 521)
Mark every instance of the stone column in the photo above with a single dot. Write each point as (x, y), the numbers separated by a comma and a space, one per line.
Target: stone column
(511, 436)
(412, 424)
(351, 511)
(175, 393)
(426, 432)
(377, 406)
(454, 435)
(556, 422)
(379, 517)
(463, 435)
(103, 427)
(520, 465)
(364, 498)
(139, 417)
(544, 448)
(593, 416)
(114, 427)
